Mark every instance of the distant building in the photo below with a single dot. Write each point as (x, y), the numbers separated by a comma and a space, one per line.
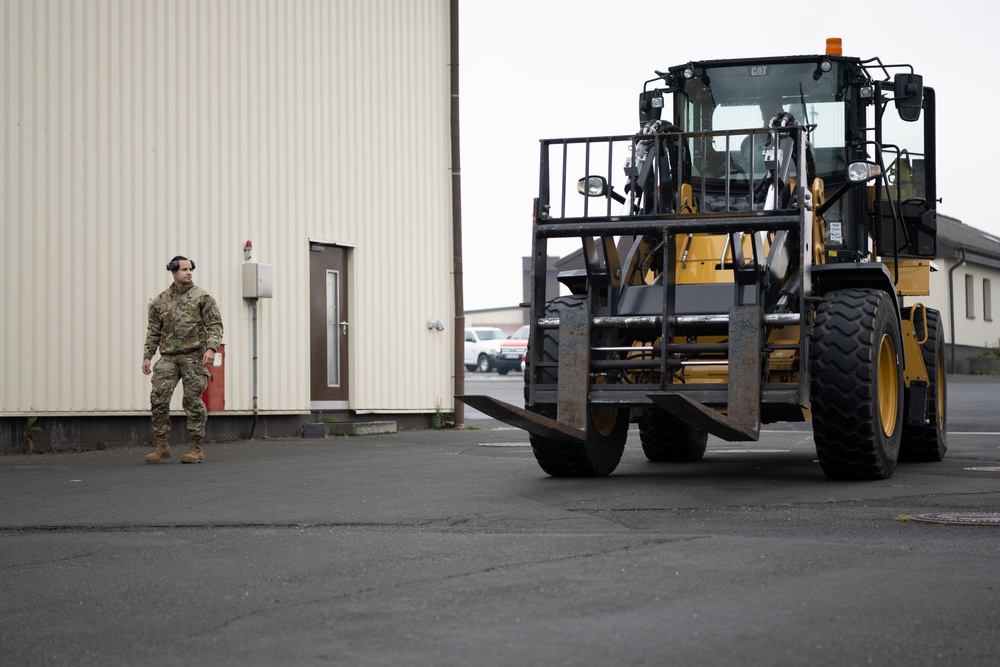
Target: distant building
(511, 318)
(968, 263)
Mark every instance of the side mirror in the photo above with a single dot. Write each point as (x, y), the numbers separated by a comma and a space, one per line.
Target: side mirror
(909, 95)
(650, 106)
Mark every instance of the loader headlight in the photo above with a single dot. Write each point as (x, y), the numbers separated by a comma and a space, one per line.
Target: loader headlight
(859, 172)
(592, 186)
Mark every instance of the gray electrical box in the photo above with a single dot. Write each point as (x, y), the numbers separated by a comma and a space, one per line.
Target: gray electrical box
(258, 281)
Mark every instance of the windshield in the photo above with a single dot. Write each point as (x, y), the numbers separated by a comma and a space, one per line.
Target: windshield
(746, 96)
(491, 334)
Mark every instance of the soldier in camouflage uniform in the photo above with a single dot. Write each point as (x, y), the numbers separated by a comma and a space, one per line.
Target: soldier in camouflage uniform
(186, 326)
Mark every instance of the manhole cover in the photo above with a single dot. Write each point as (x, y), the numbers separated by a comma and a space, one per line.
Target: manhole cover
(984, 469)
(959, 518)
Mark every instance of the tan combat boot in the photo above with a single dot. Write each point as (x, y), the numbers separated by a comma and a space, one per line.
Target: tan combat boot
(161, 450)
(194, 455)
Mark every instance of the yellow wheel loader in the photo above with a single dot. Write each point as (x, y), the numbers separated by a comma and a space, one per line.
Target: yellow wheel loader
(748, 258)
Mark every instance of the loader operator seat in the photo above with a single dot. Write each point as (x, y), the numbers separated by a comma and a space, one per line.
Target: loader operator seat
(751, 164)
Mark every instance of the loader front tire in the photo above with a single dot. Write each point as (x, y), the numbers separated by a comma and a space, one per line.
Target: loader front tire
(667, 439)
(928, 442)
(607, 426)
(857, 384)
(597, 456)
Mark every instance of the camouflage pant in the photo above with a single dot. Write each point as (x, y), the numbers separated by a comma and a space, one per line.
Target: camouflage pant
(167, 372)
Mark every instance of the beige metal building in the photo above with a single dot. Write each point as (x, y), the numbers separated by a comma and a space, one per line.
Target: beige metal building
(131, 131)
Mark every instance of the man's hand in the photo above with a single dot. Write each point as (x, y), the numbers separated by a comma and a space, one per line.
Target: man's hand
(208, 357)
(146, 370)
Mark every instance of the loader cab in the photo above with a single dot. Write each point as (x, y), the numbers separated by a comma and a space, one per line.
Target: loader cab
(725, 99)
(907, 196)
(855, 112)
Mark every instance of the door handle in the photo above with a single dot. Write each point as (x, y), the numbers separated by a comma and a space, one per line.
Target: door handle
(343, 328)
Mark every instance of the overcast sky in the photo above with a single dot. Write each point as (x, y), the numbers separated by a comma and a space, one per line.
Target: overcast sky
(565, 68)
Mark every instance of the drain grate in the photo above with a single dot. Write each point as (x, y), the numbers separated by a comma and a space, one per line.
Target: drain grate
(959, 518)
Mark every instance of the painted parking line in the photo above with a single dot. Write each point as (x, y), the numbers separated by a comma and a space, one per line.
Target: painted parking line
(748, 451)
(958, 518)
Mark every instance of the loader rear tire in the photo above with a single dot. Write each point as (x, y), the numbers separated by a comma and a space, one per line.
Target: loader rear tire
(607, 426)
(667, 439)
(857, 384)
(928, 442)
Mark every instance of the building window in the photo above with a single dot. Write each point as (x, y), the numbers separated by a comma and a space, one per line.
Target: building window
(332, 328)
(970, 297)
(987, 309)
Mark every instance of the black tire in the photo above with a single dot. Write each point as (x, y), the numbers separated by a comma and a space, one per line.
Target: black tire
(928, 442)
(484, 365)
(667, 439)
(502, 370)
(607, 427)
(470, 367)
(857, 384)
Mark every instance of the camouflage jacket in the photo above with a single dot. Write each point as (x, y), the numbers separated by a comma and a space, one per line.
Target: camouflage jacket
(182, 321)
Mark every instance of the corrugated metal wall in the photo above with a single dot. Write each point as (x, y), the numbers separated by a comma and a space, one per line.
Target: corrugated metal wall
(136, 130)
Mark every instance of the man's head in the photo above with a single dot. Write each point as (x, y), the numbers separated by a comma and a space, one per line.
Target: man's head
(183, 270)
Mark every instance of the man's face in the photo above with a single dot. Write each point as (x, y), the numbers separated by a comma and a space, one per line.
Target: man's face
(184, 274)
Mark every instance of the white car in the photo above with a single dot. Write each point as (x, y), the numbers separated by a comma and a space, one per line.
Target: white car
(481, 345)
(510, 356)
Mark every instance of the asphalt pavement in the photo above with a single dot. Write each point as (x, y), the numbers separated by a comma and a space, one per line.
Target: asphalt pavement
(453, 548)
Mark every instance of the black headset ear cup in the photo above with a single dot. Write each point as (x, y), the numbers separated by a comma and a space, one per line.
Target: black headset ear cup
(173, 265)
(193, 267)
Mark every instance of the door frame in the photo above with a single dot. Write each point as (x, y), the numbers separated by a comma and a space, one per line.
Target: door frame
(327, 259)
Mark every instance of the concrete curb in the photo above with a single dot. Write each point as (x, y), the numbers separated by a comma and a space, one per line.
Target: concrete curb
(323, 430)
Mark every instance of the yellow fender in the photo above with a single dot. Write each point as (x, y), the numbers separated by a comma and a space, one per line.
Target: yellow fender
(914, 368)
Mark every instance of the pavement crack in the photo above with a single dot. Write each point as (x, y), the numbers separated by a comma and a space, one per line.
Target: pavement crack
(156, 527)
(450, 577)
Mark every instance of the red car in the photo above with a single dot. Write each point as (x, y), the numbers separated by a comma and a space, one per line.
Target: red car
(511, 352)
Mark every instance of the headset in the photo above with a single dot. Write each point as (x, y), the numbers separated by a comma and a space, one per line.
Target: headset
(175, 263)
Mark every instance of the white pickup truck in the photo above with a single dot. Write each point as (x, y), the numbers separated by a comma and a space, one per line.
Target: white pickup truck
(481, 344)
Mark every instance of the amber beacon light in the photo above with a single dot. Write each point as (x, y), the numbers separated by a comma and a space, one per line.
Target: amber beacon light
(834, 46)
